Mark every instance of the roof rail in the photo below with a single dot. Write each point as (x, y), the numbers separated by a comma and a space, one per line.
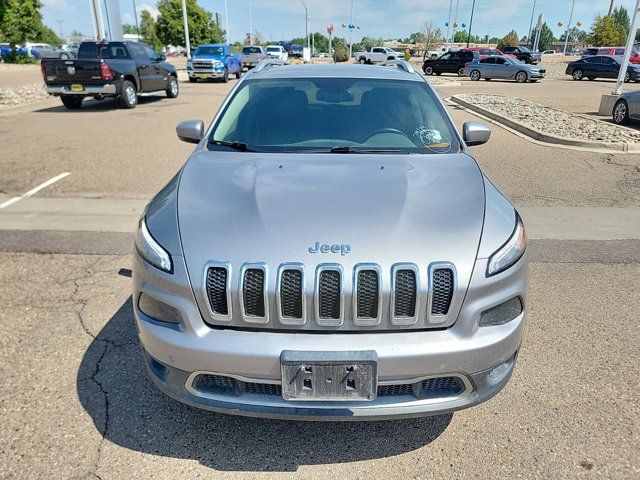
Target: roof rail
(401, 64)
(268, 63)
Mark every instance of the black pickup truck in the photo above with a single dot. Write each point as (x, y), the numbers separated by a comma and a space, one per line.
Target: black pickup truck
(124, 70)
(523, 54)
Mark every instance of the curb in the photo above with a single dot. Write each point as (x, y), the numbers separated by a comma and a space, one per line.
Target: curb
(544, 137)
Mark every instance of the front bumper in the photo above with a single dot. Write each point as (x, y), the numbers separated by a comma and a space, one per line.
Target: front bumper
(206, 73)
(176, 353)
(88, 90)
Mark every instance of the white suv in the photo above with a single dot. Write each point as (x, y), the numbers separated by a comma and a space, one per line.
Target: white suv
(277, 51)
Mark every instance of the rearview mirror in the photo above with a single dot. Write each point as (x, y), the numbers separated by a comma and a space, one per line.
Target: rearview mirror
(190, 131)
(475, 133)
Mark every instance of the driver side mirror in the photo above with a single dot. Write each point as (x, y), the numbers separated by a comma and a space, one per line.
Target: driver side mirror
(475, 133)
(190, 131)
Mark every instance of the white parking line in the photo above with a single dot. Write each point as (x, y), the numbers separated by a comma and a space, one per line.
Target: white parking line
(35, 190)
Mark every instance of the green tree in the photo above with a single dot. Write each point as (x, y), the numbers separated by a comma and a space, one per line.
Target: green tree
(511, 39)
(604, 32)
(461, 37)
(546, 37)
(575, 35)
(202, 27)
(46, 35)
(21, 21)
(367, 43)
(148, 30)
(321, 42)
(622, 22)
(341, 52)
(127, 28)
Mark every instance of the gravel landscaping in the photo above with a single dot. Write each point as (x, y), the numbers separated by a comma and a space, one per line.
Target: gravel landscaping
(22, 95)
(549, 121)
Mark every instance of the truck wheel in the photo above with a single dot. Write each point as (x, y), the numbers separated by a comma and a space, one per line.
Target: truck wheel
(225, 77)
(72, 102)
(428, 70)
(239, 74)
(461, 71)
(128, 97)
(362, 61)
(172, 87)
(193, 79)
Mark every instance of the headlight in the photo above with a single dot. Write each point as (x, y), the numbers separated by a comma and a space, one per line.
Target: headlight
(151, 250)
(510, 252)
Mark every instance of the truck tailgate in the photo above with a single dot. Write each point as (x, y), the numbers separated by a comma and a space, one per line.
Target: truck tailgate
(61, 72)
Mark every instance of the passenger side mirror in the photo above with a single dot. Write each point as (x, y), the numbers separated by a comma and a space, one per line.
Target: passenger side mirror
(190, 131)
(162, 57)
(475, 133)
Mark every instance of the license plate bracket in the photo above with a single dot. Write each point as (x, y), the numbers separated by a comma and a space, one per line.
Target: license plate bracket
(76, 87)
(329, 376)
(203, 75)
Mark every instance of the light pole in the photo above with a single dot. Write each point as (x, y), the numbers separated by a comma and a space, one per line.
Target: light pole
(60, 27)
(533, 11)
(473, 7)
(251, 23)
(186, 29)
(135, 13)
(489, 33)
(306, 22)
(226, 18)
(566, 34)
(97, 17)
(449, 22)
(627, 51)
(350, 34)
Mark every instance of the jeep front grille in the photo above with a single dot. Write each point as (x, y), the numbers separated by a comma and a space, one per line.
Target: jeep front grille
(217, 290)
(329, 297)
(329, 294)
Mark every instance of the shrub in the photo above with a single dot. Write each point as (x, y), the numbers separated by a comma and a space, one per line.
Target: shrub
(15, 57)
(341, 53)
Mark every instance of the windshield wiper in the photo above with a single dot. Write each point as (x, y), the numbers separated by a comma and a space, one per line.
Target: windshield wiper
(348, 149)
(240, 146)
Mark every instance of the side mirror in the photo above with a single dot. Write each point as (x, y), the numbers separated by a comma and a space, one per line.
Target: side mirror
(162, 57)
(475, 133)
(190, 131)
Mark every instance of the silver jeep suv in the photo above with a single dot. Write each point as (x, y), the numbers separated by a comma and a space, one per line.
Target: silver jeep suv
(331, 251)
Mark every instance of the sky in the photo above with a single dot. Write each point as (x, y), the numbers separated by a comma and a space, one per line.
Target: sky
(392, 19)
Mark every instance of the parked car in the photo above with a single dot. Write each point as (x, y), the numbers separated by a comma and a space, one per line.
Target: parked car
(252, 56)
(613, 52)
(296, 50)
(343, 286)
(451, 62)
(68, 52)
(378, 55)
(213, 61)
(42, 50)
(601, 67)
(278, 52)
(503, 68)
(5, 48)
(524, 54)
(489, 52)
(627, 108)
(122, 70)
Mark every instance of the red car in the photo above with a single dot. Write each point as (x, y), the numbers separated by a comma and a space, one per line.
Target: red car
(488, 52)
(612, 51)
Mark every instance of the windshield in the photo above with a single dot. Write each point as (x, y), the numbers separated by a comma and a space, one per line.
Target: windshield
(104, 50)
(273, 49)
(524, 49)
(348, 114)
(209, 51)
(250, 50)
(488, 51)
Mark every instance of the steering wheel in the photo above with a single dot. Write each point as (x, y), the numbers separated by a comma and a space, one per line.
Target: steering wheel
(387, 130)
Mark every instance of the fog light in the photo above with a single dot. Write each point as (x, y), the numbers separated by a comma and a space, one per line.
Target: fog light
(157, 310)
(501, 314)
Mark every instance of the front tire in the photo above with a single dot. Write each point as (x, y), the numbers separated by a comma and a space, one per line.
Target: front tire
(172, 87)
(72, 102)
(362, 61)
(225, 76)
(627, 77)
(129, 96)
(461, 71)
(475, 75)
(621, 112)
(577, 74)
(428, 70)
(193, 79)
(521, 76)
(239, 73)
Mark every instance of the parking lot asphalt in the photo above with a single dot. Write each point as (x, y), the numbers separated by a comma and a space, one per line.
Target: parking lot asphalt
(75, 401)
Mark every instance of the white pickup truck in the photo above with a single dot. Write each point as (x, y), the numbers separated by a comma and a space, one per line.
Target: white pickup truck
(378, 55)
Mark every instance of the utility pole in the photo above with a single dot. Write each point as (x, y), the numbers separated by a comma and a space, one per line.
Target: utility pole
(627, 51)
(533, 12)
(306, 22)
(610, 8)
(566, 35)
(489, 33)
(448, 23)
(226, 18)
(186, 29)
(251, 23)
(97, 18)
(135, 13)
(473, 7)
(60, 27)
(351, 34)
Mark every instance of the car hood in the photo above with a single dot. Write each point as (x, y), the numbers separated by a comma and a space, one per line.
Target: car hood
(240, 207)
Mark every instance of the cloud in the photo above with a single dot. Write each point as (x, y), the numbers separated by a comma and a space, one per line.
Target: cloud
(149, 8)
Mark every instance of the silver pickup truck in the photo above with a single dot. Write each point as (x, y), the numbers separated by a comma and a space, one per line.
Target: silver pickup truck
(252, 56)
(331, 251)
(378, 55)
